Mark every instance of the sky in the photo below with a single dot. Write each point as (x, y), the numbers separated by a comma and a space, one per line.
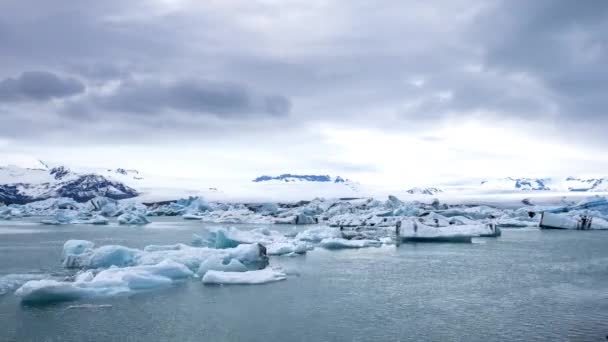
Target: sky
(382, 92)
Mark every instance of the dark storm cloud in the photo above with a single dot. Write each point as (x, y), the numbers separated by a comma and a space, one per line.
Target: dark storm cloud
(38, 86)
(228, 100)
(563, 44)
(357, 66)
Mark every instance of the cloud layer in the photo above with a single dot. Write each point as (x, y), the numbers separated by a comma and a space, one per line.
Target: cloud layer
(200, 71)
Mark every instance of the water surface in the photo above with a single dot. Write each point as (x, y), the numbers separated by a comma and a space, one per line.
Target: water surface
(528, 285)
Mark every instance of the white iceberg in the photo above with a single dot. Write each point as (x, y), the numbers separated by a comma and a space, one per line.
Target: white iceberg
(219, 263)
(339, 243)
(267, 275)
(282, 248)
(108, 282)
(133, 218)
(317, 234)
(9, 282)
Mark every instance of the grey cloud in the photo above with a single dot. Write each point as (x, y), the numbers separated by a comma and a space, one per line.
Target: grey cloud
(38, 86)
(351, 69)
(560, 43)
(193, 96)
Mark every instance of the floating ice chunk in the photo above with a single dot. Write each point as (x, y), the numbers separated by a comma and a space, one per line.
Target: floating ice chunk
(417, 232)
(221, 239)
(76, 247)
(61, 216)
(339, 243)
(84, 276)
(10, 282)
(219, 263)
(305, 219)
(460, 220)
(197, 240)
(133, 218)
(97, 220)
(251, 255)
(264, 276)
(282, 248)
(89, 306)
(317, 234)
(192, 217)
(112, 255)
(232, 237)
(142, 277)
(393, 202)
(516, 223)
(155, 248)
(48, 290)
(108, 282)
(599, 223)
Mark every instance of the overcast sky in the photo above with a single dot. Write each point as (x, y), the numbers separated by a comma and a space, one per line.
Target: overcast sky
(390, 91)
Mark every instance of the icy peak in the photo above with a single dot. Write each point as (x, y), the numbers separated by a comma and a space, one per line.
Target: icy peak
(287, 177)
(424, 191)
(510, 183)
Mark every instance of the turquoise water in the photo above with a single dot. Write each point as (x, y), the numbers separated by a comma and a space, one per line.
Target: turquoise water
(528, 285)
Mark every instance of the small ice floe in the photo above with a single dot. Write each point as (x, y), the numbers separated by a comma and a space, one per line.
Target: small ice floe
(572, 220)
(317, 234)
(109, 282)
(219, 263)
(9, 282)
(89, 306)
(412, 231)
(288, 248)
(193, 217)
(267, 275)
(133, 218)
(339, 243)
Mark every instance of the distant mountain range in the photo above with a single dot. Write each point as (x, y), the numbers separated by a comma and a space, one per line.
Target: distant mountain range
(38, 181)
(546, 184)
(24, 185)
(424, 191)
(314, 183)
(287, 177)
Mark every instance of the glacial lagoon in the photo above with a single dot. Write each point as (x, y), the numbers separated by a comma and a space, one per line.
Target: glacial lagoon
(528, 284)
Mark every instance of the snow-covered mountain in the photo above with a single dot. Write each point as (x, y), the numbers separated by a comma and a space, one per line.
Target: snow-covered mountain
(424, 191)
(287, 177)
(569, 184)
(586, 184)
(516, 184)
(290, 186)
(23, 185)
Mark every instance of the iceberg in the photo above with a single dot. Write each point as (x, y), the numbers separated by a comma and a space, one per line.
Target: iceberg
(111, 255)
(576, 220)
(133, 218)
(111, 281)
(9, 282)
(412, 231)
(317, 234)
(339, 243)
(282, 248)
(267, 275)
(81, 254)
(97, 220)
(61, 216)
(219, 263)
